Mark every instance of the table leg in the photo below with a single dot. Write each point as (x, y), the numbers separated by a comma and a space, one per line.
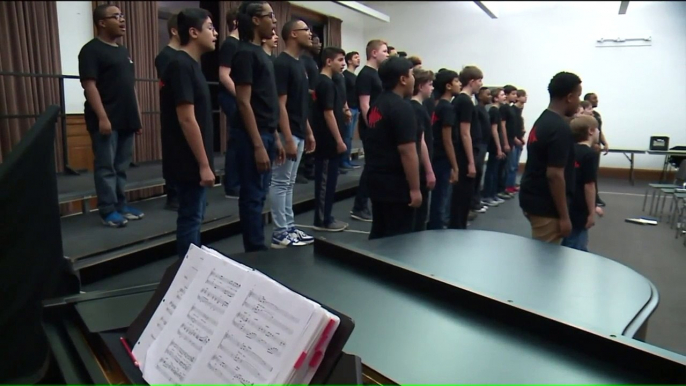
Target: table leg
(631, 169)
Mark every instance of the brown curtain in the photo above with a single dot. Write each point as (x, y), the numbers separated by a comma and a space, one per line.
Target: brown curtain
(282, 12)
(142, 41)
(333, 32)
(29, 43)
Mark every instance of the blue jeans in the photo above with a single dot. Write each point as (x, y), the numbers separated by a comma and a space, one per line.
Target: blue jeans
(228, 105)
(578, 239)
(254, 189)
(325, 180)
(191, 212)
(440, 196)
(112, 157)
(347, 134)
(513, 166)
(281, 192)
(491, 176)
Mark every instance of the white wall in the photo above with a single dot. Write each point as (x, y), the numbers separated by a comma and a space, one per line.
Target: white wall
(641, 89)
(75, 22)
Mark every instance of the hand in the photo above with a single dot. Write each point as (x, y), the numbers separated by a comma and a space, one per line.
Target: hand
(415, 198)
(348, 115)
(280, 153)
(501, 155)
(139, 131)
(590, 221)
(453, 176)
(341, 148)
(606, 149)
(565, 227)
(206, 176)
(105, 127)
(599, 211)
(506, 148)
(310, 143)
(291, 150)
(596, 148)
(262, 160)
(471, 171)
(430, 180)
(518, 142)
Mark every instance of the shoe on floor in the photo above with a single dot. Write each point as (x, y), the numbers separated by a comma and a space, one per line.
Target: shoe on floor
(335, 226)
(346, 167)
(354, 165)
(131, 213)
(300, 179)
(504, 195)
(231, 193)
(361, 215)
(490, 202)
(483, 209)
(114, 220)
(342, 171)
(498, 200)
(472, 216)
(302, 236)
(284, 240)
(599, 202)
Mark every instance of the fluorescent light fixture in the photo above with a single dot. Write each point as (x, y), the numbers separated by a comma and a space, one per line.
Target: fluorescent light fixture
(489, 11)
(363, 9)
(622, 7)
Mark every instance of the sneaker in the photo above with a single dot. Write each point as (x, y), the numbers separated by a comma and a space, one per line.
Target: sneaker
(131, 213)
(284, 240)
(335, 226)
(114, 220)
(342, 171)
(231, 193)
(498, 200)
(472, 216)
(302, 236)
(345, 167)
(354, 165)
(504, 195)
(599, 202)
(361, 215)
(490, 202)
(480, 210)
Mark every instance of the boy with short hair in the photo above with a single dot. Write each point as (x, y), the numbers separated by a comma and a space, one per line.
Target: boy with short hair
(582, 208)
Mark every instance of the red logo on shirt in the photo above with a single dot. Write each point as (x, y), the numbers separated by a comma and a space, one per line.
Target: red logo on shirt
(374, 117)
(577, 164)
(161, 83)
(314, 96)
(532, 135)
(434, 118)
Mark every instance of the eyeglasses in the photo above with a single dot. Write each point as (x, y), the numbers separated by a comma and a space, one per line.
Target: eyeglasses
(270, 14)
(117, 16)
(301, 29)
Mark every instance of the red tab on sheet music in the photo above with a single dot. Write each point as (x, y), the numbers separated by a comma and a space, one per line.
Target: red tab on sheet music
(319, 350)
(300, 360)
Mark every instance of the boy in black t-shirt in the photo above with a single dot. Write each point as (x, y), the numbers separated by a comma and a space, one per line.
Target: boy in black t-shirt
(583, 206)
(161, 61)
(444, 163)
(423, 86)
(368, 88)
(519, 143)
(468, 135)
(548, 180)
(257, 143)
(392, 161)
(508, 119)
(352, 60)
(227, 102)
(310, 59)
(327, 121)
(111, 112)
(495, 151)
(187, 128)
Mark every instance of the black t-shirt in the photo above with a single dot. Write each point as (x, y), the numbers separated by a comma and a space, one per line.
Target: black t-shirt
(252, 66)
(550, 144)
(184, 83)
(484, 124)
(465, 112)
(430, 105)
(494, 117)
(326, 97)
(226, 53)
(391, 123)
(312, 70)
(598, 118)
(443, 115)
(507, 114)
(423, 127)
(368, 83)
(162, 60)
(291, 80)
(350, 79)
(112, 69)
(519, 130)
(339, 81)
(585, 172)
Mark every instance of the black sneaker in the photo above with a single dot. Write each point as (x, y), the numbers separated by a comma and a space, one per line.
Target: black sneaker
(599, 202)
(361, 215)
(231, 193)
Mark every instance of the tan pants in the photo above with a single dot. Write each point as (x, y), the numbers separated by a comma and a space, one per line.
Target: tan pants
(545, 229)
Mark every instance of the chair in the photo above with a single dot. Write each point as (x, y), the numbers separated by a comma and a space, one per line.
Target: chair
(658, 189)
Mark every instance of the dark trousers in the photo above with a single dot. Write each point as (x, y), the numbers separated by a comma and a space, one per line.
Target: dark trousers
(491, 176)
(112, 157)
(440, 197)
(391, 219)
(192, 199)
(230, 182)
(502, 173)
(325, 180)
(254, 189)
(460, 202)
(421, 214)
(362, 196)
(479, 159)
(597, 167)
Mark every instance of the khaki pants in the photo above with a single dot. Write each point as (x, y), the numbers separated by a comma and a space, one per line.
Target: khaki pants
(545, 229)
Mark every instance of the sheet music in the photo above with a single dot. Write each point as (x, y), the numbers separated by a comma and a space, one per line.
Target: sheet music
(187, 271)
(218, 283)
(259, 340)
